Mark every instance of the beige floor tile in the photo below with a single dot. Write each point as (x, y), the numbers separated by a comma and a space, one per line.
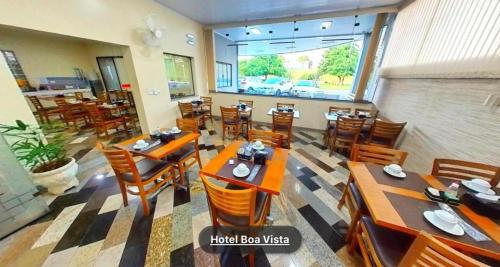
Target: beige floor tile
(86, 255)
(119, 230)
(110, 257)
(113, 202)
(59, 226)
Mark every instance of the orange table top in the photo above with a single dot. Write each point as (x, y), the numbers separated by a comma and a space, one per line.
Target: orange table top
(272, 175)
(399, 204)
(160, 151)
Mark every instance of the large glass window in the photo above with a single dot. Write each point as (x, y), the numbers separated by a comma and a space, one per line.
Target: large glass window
(326, 73)
(180, 75)
(224, 75)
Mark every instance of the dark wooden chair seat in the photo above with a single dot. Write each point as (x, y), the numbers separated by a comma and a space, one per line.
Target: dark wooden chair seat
(147, 169)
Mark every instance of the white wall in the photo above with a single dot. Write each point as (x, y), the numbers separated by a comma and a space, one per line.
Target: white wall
(120, 22)
(445, 39)
(227, 54)
(458, 115)
(41, 55)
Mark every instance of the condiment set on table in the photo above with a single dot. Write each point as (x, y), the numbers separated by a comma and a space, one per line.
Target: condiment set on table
(285, 109)
(254, 150)
(157, 137)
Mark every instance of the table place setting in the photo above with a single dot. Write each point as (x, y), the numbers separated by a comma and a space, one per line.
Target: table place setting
(142, 145)
(395, 170)
(445, 221)
(165, 136)
(479, 186)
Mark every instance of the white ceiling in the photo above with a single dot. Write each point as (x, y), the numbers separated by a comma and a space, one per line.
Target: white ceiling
(309, 28)
(224, 11)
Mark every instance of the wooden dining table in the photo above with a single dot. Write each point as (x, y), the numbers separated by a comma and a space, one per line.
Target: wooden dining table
(269, 178)
(160, 151)
(399, 204)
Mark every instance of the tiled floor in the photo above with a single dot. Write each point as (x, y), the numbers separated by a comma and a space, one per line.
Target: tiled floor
(89, 226)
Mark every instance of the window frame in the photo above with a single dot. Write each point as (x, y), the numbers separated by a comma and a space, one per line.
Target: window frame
(192, 76)
(229, 74)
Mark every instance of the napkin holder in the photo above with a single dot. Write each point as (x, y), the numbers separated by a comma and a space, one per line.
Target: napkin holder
(242, 154)
(260, 158)
(443, 197)
(167, 137)
(481, 206)
(155, 136)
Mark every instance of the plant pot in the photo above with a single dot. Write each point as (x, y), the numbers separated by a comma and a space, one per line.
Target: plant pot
(59, 180)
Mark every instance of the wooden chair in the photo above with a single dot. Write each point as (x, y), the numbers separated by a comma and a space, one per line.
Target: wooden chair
(231, 121)
(44, 112)
(71, 113)
(384, 247)
(384, 133)
(188, 155)
(267, 137)
(188, 112)
(351, 194)
(102, 123)
(371, 113)
(465, 170)
(330, 125)
(284, 105)
(240, 208)
(103, 98)
(246, 117)
(207, 107)
(282, 124)
(79, 96)
(346, 133)
(144, 174)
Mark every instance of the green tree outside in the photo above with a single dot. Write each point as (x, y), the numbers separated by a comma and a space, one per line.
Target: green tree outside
(340, 61)
(263, 66)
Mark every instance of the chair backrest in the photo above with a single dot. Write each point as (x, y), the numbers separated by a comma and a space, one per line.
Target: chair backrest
(385, 132)
(246, 102)
(378, 155)
(36, 103)
(60, 101)
(460, 169)
(285, 105)
(96, 115)
(121, 162)
(336, 109)
(372, 112)
(229, 114)
(348, 128)
(190, 125)
(103, 97)
(282, 121)
(240, 203)
(428, 251)
(186, 109)
(206, 100)
(267, 137)
(79, 96)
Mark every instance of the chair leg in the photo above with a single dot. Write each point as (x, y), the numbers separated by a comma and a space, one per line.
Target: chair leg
(352, 227)
(124, 193)
(354, 239)
(144, 200)
(181, 169)
(198, 159)
(223, 132)
(344, 193)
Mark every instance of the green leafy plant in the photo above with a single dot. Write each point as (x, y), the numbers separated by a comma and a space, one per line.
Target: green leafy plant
(32, 150)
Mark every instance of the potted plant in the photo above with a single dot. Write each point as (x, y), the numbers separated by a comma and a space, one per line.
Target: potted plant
(47, 162)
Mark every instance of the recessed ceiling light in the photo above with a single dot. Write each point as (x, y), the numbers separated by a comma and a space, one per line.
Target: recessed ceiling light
(255, 31)
(326, 25)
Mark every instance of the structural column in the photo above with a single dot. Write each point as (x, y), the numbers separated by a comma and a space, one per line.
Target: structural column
(210, 58)
(370, 56)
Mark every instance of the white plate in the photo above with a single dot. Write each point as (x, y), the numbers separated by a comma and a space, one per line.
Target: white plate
(457, 230)
(258, 147)
(140, 147)
(241, 175)
(176, 132)
(470, 185)
(400, 175)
